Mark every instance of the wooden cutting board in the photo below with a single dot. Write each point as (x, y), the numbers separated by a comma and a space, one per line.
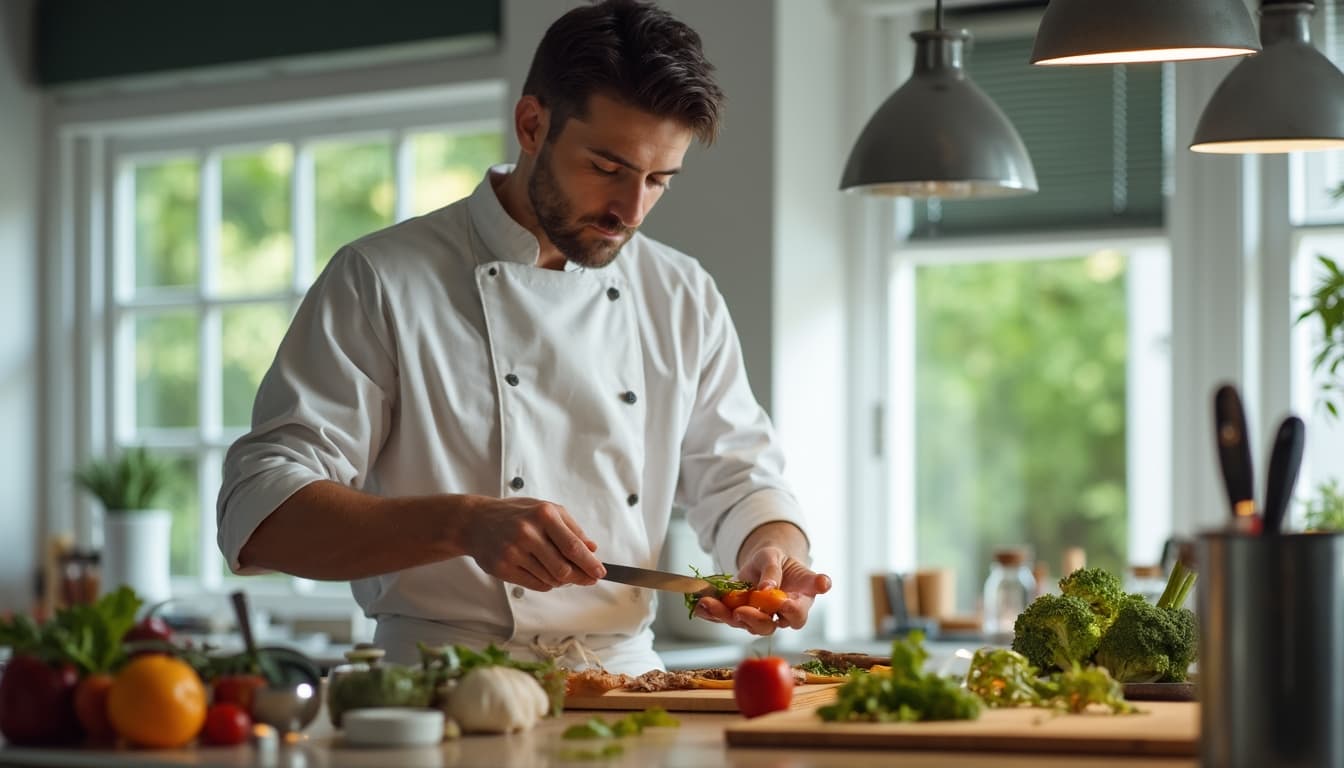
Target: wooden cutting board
(695, 700)
(1165, 728)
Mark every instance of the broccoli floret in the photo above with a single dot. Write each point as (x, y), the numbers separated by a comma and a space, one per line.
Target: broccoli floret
(1148, 644)
(1100, 589)
(1056, 632)
(1135, 648)
(1184, 648)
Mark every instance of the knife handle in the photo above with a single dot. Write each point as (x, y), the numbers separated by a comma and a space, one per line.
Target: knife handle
(1284, 463)
(1234, 455)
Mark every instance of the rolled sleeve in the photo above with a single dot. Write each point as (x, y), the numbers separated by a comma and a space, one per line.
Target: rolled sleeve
(731, 479)
(324, 408)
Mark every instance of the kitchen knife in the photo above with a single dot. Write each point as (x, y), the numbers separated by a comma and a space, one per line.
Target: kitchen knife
(669, 582)
(1234, 457)
(1284, 463)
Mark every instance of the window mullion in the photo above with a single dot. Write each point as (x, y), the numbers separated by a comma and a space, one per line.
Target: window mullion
(209, 372)
(403, 176)
(303, 205)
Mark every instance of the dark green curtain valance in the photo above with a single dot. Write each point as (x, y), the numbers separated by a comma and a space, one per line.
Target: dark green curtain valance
(80, 40)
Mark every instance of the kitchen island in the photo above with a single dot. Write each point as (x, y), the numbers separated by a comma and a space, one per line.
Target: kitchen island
(698, 743)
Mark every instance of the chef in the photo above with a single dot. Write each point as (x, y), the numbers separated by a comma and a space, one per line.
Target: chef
(474, 408)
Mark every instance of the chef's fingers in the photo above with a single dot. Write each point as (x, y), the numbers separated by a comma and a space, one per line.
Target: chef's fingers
(810, 584)
(772, 572)
(568, 537)
(523, 576)
(554, 567)
(793, 612)
(710, 609)
(753, 620)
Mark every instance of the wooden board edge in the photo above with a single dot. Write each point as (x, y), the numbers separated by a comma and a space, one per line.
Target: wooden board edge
(1114, 746)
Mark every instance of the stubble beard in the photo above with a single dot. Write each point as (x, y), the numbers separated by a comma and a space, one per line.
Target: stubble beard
(555, 217)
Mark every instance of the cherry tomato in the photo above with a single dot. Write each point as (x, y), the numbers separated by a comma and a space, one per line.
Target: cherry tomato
(734, 598)
(225, 725)
(149, 628)
(767, 601)
(237, 689)
(762, 685)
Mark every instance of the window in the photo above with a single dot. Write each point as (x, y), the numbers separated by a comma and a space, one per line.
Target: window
(1030, 371)
(217, 233)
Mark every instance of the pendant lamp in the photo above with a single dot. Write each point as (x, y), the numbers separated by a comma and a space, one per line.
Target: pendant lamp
(939, 135)
(1132, 31)
(1288, 98)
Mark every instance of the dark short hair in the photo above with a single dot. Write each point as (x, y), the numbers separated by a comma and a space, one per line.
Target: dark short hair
(632, 51)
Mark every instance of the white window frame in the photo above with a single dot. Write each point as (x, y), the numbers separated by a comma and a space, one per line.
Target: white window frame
(88, 293)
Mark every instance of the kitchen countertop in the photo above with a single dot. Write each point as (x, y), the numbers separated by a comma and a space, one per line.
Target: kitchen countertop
(698, 743)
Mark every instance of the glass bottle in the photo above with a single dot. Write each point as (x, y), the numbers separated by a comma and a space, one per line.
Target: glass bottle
(1146, 580)
(1009, 588)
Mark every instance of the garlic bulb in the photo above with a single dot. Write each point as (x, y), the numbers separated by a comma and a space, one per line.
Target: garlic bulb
(497, 700)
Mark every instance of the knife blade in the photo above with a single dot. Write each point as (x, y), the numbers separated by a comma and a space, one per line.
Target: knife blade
(668, 582)
(1234, 457)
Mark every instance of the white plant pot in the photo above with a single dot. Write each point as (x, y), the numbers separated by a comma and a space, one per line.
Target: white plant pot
(136, 547)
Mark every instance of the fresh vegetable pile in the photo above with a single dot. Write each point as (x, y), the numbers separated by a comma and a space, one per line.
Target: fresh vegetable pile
(905, 692)
(1003, 679)
(1094, 622)
(95, 675)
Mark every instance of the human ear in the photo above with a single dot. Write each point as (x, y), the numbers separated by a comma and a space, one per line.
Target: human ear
(531, 121)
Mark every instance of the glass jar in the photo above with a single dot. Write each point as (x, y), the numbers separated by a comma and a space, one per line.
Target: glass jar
(1009, 589)
(1146, 580)
(368, 682)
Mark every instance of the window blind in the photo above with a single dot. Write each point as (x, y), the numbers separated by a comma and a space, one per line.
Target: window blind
(1096, 136)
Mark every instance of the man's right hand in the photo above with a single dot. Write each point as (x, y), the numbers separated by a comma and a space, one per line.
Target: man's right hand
(530, 542)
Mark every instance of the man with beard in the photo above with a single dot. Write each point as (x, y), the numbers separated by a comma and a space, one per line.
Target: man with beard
(483, 404)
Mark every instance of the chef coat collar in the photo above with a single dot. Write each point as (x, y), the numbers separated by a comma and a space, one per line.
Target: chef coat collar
(500, 237)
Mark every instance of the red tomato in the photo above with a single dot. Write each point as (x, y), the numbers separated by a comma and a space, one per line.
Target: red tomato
(149, 628)
(734, 598)
(767, 601)
(762, 685)
(225, 725)
(91, 708)
(237, 689)
(37, 702)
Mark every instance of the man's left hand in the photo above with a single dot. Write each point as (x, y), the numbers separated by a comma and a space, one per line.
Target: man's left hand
(770, 567)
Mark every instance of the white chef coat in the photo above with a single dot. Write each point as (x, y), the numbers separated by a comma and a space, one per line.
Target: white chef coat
(435, 357)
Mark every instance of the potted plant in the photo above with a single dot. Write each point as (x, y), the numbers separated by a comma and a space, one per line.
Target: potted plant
(136, 543)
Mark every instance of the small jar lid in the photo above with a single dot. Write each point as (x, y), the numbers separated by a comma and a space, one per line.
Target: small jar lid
(1012, 556)
(365, 652)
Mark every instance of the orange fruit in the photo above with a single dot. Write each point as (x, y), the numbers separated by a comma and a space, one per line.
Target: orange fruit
(157, 701)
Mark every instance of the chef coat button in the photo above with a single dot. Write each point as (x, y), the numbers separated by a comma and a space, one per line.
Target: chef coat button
(613, 294)
(516, 483)
(512, 380)
(629, 397)
(493, 271)
(632, 499)
(518, 593)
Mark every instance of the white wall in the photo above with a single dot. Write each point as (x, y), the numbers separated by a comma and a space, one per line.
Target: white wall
(20, 118)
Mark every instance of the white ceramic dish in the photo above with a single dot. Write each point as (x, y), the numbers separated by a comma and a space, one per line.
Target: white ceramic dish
(392, 727)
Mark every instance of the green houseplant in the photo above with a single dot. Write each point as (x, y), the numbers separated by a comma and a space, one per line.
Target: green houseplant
(136, 531)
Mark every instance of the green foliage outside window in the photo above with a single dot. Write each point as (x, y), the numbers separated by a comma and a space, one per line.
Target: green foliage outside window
(1020, 412)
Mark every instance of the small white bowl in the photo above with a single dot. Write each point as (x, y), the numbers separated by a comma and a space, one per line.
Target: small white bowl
(392, 727)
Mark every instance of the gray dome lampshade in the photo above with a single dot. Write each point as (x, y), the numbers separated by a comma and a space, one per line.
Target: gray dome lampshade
(939, 135)
(1289, 98)
(1131, 31)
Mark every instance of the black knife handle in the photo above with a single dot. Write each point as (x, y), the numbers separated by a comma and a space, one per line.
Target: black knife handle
(1234, 450)
(1284, 463)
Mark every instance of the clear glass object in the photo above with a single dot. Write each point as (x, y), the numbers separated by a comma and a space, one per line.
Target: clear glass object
(1009, 588)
